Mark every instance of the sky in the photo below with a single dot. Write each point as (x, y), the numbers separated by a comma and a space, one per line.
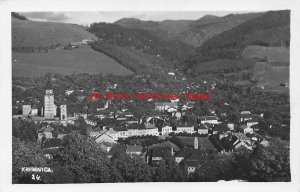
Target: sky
(86, 18)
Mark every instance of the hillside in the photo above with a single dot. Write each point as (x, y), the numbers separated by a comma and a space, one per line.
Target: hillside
(33, 34)
(132, 59)
(190, 32)
(166, 28)
(81, 60)
(209, 26)
(141, 40)
(270, 29)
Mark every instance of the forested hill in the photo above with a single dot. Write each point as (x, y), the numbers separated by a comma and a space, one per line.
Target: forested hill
(190, 32)
(141, 40)
(270, 29)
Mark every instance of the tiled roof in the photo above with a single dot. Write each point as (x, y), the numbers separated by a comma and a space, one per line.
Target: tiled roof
(136, 126)
(166, 144)
(160, 151)
(206, 118)
(134, 148)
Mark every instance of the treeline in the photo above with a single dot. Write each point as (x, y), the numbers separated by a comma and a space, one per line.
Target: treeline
(81, 160)
(18, 16)
(36, 49)
(270, 29)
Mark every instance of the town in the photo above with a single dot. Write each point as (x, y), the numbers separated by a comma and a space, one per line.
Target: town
(138, 101)
(196, 136)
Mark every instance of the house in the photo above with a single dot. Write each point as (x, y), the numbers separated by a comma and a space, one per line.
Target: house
(26, 109)
(185, 129)
(245, 112)
(163, 106)
(230, 126)
(91, 122)
(220, 128)
(45, 132)
(134, 149)
(166, 144)
(121, 132)
(245, 129)
(250, 123)
(34, 110)
(203, 130)
(106, 137)
(166, 130)
(192, 158)
(208, 119)
(49, 146)
(68, 92)
(106, 146)
(245, 117)
(155, 155)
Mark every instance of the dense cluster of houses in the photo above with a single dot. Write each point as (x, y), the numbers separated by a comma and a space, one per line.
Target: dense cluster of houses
(211, 135)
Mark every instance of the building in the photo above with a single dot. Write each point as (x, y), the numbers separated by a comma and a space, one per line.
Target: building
(185, 129)
(251, 123)
(45, 132)
(134, 149)
(105, 137)
(166, 130)
(203, 130)
(63, 112)
(163, 106)
(49, 106)
(245, 129)
(208, 119)
(34, 110)
(26, 109)
(230, 126)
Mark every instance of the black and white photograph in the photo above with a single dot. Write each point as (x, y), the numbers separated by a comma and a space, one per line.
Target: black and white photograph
(168, 96)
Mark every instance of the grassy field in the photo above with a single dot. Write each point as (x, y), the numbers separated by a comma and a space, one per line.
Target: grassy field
(223, 65)
(44, 34)
(81, 60)
(271, 76)
(273, 54)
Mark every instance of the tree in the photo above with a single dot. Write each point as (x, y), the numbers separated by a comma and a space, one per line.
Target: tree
(169, 171)
(82, 161)
(271, 163)
(24, 155)
(219, 167)
(132, 169)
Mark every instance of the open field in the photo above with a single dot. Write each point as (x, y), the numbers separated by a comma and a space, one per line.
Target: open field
(45, 34)
(273, 54)
(81, 60)
(271, 76)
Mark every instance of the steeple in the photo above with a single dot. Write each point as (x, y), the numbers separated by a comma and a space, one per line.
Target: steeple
(196, 143)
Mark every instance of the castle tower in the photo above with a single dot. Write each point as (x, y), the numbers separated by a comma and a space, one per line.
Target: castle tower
(63, 112)
(196, 143)
(49, 106)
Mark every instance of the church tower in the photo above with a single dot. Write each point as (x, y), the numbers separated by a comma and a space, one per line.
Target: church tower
(196, 143)
(49, 106)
